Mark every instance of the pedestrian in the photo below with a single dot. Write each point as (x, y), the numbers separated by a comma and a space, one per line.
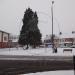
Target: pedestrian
(55, 49)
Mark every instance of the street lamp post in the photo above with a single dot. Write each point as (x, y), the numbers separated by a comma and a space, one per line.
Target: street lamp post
(52, 25)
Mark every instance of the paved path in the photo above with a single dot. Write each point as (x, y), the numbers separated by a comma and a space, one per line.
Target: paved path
(10, 65)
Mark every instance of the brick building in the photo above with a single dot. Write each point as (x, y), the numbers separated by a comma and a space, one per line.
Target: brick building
(4, 39)
(67, 40)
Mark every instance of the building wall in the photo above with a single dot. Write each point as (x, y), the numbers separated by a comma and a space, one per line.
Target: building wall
(4, 38)
(0, 36)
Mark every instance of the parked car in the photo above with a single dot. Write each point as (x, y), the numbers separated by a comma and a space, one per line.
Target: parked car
(63, 46)
(49, 46)
(73, 46)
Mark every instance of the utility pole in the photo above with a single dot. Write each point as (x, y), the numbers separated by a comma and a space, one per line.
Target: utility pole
(52, 25)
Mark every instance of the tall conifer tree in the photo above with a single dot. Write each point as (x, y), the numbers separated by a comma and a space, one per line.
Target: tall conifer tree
(30, 34)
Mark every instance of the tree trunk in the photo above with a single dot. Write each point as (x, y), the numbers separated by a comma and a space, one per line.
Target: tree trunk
(27, 46)
(34, 46)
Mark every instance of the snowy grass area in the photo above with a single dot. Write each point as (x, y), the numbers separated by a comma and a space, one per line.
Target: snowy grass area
(68, 72)
(35, 52)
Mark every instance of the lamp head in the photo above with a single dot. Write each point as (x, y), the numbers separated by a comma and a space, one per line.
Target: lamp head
(52, 2)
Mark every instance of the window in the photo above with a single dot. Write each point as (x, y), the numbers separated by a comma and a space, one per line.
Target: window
(5, 38)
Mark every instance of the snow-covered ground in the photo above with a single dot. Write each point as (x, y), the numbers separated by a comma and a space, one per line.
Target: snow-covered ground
(38, 51)
(65, 72)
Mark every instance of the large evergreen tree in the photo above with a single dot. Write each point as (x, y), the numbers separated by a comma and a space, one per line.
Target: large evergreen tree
(35, 35)
(30, 34)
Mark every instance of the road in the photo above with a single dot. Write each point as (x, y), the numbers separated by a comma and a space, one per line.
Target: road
(27, 64)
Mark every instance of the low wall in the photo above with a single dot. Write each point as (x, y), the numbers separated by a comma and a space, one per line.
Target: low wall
(4, 45)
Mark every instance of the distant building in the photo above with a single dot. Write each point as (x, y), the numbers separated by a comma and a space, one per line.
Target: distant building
(4, 39)
(67, 40)
(48, 41)
(14, 40)
(56, 41)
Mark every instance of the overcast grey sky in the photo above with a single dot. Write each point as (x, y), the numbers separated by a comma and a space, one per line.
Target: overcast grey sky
(12, 11)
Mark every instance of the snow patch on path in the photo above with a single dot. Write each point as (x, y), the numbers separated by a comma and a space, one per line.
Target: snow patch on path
(70, 72)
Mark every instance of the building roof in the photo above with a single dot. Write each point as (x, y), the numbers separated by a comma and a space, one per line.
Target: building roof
(67, 36)
(49, 37)
(4, 32)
